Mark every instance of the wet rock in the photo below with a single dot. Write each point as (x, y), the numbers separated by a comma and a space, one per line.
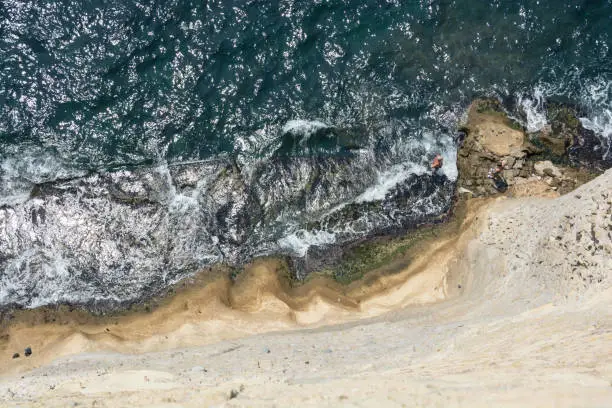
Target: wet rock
(316, 258)
(563, 126)
(132, 231)
(487, 106)
(375, 217)
(492, 139)
(556, 146)
(567, 136)
(129, 228)
(460, 137)
(588, 150)
(552, 142)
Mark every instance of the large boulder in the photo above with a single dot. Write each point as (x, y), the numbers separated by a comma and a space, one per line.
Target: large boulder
(491, 138)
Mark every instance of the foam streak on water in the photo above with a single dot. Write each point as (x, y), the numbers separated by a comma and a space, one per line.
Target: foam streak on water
(598, 100)
(533, 108)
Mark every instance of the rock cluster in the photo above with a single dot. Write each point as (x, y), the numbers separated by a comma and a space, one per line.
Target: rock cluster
(527, 160)
(565, 137)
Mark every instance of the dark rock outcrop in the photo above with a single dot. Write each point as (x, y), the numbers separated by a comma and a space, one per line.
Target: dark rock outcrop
(554, 159)
(567, 139)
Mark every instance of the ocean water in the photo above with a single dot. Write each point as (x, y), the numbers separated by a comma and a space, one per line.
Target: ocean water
(143, 141)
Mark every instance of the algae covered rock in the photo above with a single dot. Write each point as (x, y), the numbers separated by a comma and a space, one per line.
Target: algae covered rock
(566, 139)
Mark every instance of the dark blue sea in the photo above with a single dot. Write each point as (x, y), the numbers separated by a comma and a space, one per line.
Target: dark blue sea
(142, 141)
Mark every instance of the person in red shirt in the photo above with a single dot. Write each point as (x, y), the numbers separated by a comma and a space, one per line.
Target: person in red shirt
(437, 162)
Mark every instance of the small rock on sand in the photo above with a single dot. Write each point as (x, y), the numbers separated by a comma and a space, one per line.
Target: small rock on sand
(16, 355)
(27, 351)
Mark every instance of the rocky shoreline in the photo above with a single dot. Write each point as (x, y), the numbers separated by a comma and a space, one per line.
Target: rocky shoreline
(452, 268)
(547, 163)
(550, 163)
(517, 320)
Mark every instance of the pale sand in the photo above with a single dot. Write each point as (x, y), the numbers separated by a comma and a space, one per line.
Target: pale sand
(525, 328)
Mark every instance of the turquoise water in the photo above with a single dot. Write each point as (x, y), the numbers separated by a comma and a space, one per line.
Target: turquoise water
(324, 113)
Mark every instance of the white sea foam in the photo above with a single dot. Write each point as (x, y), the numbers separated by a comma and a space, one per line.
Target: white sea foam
(51, 274)
(597, 97)
(263, 142)
(36, 167)
(259, 143)
(19, 172)
(534, 109)
(601, 124)
(14, 197)
(298, 242)
(304, 127)
(449, 154)
(177, 202)
(388, 179)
